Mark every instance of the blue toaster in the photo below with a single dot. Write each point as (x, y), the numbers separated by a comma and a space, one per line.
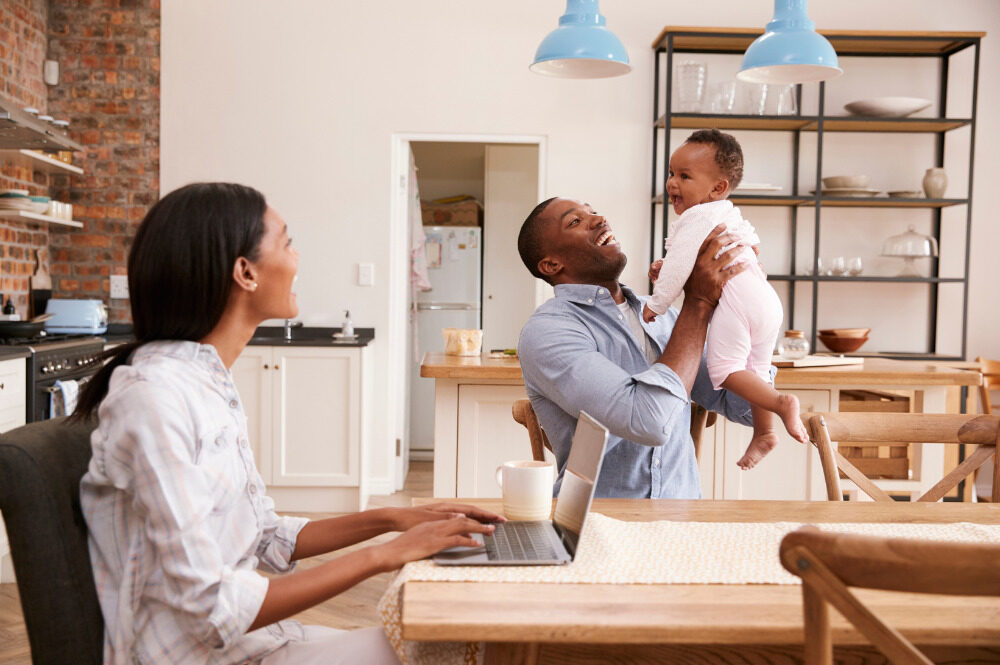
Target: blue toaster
(86, 317)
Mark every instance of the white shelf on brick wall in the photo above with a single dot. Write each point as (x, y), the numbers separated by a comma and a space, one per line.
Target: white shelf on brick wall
(25, 216)
(49, 164)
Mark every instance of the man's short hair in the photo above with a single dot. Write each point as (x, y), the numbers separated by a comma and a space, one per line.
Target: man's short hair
(529, 240)
(728, 153)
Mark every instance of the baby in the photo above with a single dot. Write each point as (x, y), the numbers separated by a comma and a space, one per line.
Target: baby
(746, 322)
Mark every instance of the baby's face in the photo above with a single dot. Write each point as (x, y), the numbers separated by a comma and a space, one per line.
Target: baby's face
(695, 177)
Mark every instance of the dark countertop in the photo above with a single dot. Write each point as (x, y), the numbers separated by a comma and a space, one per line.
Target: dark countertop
(13, 352)
(274, 336)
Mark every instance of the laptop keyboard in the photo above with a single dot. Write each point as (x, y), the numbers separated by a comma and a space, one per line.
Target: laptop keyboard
(519, 541)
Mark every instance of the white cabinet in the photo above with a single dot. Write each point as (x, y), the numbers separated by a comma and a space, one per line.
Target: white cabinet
(13, 403)
(307, 421)
(488, 436)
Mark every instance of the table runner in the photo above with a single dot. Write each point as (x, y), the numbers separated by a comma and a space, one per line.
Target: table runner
(665, 552)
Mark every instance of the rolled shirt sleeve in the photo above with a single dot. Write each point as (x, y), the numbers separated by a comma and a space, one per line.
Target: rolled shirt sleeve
(277, 544)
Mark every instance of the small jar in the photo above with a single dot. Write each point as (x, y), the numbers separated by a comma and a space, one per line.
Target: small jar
(794, 345)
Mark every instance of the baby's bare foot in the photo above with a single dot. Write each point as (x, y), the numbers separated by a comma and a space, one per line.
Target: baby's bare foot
(788, 409)
(759, 446)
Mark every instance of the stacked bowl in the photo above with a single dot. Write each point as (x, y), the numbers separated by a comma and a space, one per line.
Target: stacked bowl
(844, 340)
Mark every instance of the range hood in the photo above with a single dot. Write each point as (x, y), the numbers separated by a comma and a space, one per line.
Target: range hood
(20, 130)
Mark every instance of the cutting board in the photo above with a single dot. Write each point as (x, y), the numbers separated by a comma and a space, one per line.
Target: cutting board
(41, 283)
(818, 361)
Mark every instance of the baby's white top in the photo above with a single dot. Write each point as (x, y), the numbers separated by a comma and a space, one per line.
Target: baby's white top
(686, 233)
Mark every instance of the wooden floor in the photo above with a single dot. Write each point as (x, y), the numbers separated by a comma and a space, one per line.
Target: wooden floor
(352, 609)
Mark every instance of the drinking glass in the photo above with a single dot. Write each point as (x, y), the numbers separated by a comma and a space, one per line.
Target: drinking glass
(838, 266)
(723, 97)
(784, 99)
(691, 78)
(854, 266)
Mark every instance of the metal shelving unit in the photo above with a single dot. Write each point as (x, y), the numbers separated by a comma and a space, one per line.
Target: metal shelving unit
(865, 43)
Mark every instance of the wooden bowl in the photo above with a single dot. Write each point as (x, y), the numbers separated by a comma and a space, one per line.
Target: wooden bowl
(842, 344)
(846, 332)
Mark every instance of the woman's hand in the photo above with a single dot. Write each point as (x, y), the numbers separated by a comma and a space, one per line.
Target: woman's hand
(406, 518)
(429, 538)
(710, 273)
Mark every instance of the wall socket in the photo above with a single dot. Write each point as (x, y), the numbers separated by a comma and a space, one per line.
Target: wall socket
(119, 287)
(366, 274)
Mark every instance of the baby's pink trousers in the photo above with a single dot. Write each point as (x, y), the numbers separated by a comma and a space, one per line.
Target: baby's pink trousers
(744, 327)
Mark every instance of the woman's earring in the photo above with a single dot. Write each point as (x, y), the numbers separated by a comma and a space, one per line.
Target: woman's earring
(253, 287)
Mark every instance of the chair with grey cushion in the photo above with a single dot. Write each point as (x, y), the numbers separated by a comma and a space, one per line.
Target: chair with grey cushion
(40, 469)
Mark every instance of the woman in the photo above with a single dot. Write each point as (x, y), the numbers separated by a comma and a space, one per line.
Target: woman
(176, 510)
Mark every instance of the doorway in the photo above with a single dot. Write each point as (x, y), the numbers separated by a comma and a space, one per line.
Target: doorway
(504, 174)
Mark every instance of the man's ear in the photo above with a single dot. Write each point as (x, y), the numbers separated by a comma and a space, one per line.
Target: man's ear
(245, 275)
(550, 267)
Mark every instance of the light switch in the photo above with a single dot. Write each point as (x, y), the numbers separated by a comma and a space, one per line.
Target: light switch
(119, 287)
(366, 274)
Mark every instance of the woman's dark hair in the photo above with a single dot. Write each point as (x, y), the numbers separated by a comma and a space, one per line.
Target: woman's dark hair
(180, 269)
(728, 153)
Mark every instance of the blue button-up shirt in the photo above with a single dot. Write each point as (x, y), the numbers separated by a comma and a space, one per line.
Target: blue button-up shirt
(578, 353)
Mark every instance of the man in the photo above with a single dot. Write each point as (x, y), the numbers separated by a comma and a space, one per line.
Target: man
(588, 349)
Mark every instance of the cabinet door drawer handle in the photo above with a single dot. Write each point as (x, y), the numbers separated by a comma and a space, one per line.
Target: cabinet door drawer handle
(276, 367)
(266, 366)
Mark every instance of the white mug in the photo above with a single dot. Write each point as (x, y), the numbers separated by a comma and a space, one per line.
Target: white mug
(527, 489)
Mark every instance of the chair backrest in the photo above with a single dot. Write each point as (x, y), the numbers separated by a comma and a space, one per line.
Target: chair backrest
(40, 469)
(990, 370)
(825, 428)
(524, 414)
(830, 562)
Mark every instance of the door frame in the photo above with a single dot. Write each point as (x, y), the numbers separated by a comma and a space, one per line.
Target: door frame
(399, 264)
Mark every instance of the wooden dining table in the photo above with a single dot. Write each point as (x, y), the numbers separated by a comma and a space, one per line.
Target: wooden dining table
(536, 623)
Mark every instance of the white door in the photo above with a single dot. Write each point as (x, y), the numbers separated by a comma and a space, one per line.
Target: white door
(488, 436)
(252, 373)
(511, 191)
(317, 426)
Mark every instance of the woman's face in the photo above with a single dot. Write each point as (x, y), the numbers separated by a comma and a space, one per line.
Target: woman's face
(276, 264)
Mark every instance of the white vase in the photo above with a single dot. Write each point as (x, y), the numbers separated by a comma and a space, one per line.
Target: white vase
(935, 182)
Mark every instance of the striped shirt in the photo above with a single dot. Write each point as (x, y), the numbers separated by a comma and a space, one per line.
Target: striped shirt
(177, 515)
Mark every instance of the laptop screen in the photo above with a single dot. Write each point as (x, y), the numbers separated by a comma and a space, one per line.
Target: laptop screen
(580, 476)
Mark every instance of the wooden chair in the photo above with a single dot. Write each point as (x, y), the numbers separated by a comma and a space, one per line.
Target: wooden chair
(825, 428)
(524, 414)
(829, 563)
(990, 370)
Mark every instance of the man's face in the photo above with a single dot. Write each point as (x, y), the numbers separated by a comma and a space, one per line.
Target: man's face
(580, 245)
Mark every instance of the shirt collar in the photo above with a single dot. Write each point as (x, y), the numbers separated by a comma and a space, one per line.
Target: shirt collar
(590, 294)
(185, 350)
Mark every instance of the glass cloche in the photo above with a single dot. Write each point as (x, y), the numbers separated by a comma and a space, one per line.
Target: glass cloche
(910, 246)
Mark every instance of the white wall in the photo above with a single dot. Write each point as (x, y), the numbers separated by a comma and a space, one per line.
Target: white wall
(301, 99)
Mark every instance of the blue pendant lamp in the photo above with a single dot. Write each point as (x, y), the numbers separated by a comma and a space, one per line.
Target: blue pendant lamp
(581, 47)
(790, 51)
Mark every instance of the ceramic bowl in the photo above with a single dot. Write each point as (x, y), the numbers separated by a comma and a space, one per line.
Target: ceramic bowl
(842, 344)
(846, 332)
(888, 107)
(846, 181)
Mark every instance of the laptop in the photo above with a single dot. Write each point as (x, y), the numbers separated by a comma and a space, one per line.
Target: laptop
(544, 543)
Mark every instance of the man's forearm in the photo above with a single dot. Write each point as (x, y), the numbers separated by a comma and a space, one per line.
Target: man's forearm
(687, 341)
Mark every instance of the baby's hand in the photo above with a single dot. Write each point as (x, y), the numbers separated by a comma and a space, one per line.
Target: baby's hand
(654, 269)
(647, 314)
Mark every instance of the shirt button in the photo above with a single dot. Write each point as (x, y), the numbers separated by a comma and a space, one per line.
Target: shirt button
(600, 292)
(253, 489)
(590, 300)
(620, 317)
(656, 462)
(233, 404)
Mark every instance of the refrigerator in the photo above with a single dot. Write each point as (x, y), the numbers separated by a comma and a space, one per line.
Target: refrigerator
(454, 267)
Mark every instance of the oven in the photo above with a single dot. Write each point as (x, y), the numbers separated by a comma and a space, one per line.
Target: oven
(57, 358)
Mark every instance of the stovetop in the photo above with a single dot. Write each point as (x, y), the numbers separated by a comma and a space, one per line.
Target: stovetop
(50, 341)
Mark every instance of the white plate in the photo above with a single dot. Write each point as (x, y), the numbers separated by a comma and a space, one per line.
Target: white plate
(848, 191)
(338, 335)
(888, 107)
(757, 187)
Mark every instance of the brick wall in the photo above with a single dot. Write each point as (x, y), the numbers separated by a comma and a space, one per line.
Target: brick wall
(22, 54)
(109, 90)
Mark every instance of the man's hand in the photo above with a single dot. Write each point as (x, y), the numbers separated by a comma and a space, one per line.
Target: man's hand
(406, 518)
(654, 269)
(709, 274)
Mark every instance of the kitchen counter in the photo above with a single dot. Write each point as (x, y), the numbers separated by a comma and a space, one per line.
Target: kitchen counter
(13, 352)
(275, 336)
(474, 431)
(874, 372)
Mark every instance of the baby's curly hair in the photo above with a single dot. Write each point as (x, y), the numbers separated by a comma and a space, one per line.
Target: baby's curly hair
(728, 153)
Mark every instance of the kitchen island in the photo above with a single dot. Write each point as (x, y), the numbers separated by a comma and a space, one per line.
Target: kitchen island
(474, 431)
